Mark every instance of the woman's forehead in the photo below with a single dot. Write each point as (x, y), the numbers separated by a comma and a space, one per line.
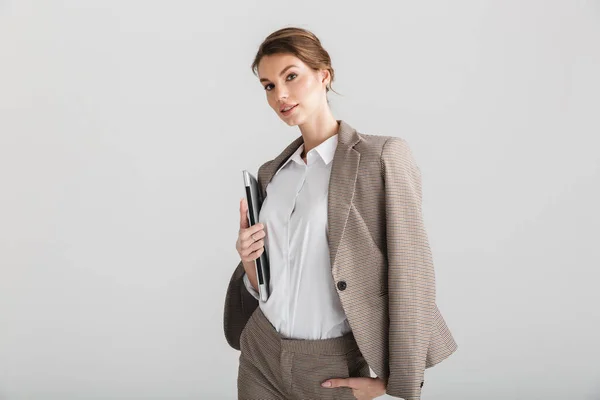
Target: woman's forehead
(273, 64)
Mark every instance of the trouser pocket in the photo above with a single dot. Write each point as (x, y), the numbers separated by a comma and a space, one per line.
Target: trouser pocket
(309, 371)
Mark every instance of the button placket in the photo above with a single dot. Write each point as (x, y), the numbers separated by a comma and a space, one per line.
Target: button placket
(289, 276)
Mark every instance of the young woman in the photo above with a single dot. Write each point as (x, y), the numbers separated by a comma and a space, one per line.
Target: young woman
(352, 279)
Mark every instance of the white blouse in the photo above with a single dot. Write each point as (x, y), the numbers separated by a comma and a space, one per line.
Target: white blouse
(303, 302)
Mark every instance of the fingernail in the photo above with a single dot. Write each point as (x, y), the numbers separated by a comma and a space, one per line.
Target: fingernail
(326, 384)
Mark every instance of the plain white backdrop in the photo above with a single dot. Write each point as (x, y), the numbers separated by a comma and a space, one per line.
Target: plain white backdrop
(124, 128)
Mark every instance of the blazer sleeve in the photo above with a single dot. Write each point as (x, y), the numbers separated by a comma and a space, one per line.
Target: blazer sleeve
(239, 302)
(239, 306)
(411, 279)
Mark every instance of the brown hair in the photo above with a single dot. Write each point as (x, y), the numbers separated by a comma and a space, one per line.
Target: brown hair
(301, 43)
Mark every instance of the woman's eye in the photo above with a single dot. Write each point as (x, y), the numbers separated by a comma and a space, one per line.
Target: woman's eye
(267, 87)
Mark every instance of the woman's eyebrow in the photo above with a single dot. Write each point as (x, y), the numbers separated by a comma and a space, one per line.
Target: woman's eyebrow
(281, 73)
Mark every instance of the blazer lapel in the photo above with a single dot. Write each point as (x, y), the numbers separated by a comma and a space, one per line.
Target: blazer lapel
(342, 181)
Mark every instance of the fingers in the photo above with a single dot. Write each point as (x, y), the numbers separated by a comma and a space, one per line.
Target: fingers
(245, 224)
(249, 244)
(249, 247)
(253, 256)
(253, 247)
(252, 233)
(337, 382)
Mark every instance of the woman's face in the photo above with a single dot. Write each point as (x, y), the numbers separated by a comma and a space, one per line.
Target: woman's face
(298, 85)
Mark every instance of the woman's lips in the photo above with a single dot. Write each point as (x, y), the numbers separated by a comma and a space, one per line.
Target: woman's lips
(288, 112)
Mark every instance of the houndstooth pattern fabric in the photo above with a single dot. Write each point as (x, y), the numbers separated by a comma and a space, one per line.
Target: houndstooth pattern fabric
(379, 248)
(273, 367)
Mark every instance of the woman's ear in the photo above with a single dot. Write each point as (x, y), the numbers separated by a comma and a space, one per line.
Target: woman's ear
(325, 76)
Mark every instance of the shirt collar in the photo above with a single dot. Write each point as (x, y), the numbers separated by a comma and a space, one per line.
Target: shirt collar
(326, 150)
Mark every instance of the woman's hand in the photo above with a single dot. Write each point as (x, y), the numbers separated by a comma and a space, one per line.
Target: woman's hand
(363, 388)
(249, 244)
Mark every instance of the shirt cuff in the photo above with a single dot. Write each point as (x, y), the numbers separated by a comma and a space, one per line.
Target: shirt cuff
(250, 288)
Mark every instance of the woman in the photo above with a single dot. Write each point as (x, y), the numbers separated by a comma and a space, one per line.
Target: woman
(352, 280)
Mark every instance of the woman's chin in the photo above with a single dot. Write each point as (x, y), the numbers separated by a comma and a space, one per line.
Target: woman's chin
(293, 118)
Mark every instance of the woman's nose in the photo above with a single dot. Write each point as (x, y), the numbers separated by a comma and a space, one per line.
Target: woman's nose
(281, 95)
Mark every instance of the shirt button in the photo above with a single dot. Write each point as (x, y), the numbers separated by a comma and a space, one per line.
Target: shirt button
(341, 285)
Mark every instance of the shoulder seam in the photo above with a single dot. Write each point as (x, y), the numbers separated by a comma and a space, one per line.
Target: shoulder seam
(381, 155)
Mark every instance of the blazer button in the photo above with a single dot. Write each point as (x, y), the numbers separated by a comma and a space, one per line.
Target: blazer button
(341, 285)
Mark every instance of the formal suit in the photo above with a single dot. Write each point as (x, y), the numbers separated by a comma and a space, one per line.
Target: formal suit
(381, 260)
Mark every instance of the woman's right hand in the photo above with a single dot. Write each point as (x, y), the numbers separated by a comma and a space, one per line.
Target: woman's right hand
(250, 243)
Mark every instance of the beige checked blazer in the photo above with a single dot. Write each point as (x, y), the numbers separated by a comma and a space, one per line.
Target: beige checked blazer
(379, 249)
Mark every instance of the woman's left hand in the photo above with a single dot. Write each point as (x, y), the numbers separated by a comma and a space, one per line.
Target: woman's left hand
(363, 388)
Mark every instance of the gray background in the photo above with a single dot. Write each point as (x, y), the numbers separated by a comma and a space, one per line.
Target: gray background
(124, 127)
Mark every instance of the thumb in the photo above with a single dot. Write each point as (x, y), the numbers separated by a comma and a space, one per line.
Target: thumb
(244, 223)
(336, 382)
